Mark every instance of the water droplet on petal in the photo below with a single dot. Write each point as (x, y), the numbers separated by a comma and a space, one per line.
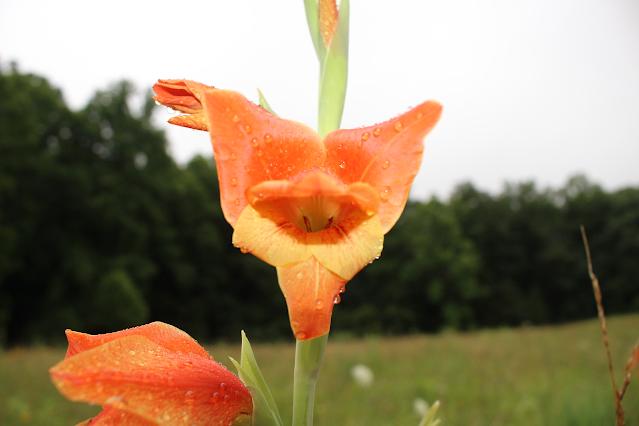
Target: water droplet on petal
(319, 304)
(385, 193)
(189, 398)
(243, 250)
(300, 335)
(386, 164)
(236, 119)
(268, 138)
(170, 381)
(343, 165)
(255, 143)
(237, 201)
(398, 127)
(419, 115)
(233, 181)
(377, 131)
(338, 299)
(299, 275)
(365, 136)
(359, 144)
(248, 169)
(215, 398)
(226, 398)
(247, 128)
(132, 352)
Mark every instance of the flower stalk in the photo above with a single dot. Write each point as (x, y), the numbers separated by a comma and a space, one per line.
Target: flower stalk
(309, 355)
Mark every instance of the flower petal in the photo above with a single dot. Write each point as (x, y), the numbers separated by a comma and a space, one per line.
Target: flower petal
(347, 247)
(184, 96)
(268, 234)
(113, 417)
(387, 156)
(251, 146)
(310, 291)
(165, 335)
(135, 375)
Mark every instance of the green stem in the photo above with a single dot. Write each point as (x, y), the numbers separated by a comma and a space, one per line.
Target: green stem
(309, 355)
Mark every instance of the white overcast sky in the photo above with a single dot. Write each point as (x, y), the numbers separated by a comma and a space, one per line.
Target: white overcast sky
(532, 89)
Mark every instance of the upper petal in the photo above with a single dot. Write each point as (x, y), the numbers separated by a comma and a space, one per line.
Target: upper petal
(387, 156)
(135, 375)
(184, 96)
(310, 290)
(251, 146)
(165, 335)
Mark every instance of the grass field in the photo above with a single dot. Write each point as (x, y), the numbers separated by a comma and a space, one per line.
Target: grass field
(528, 376)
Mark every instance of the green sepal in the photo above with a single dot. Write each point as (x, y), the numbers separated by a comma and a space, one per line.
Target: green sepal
(334, 75)
(429, 417)
(312, 17)
(267, 107)
(265, 412)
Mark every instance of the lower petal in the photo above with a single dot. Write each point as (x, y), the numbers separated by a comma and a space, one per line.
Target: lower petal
(266, 233)
(114, 417)
(310, 290)
(348, 246)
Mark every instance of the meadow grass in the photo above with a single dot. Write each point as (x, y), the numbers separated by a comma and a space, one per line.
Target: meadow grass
(526, 376)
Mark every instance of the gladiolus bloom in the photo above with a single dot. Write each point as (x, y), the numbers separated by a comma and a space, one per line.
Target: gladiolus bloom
(150, 375)
(315, 209)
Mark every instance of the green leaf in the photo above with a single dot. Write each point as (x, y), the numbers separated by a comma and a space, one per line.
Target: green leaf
(334, 75)
(252, 371)
(265, 104)
(429, 417)
(263, 415)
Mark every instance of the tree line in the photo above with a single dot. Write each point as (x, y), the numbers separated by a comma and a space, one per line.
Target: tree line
(101, 230)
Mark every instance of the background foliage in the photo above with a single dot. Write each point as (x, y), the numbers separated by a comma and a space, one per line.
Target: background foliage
(100, 230)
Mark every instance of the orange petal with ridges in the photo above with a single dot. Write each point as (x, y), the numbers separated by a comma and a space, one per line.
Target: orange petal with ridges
(387, 156)
(310, 291)
(113, 417)
(252, 145)
(348, 246)
(184, 96)
(135, 375)
(165, 335)
(268, 234)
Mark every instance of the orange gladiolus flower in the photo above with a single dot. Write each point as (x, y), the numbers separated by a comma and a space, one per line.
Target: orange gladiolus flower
(317, 210)
(149, 375)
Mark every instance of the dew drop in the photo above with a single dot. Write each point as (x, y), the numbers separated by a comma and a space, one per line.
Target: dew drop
(359, 144)
(342, 165)
(170, 381)
(222, 387)
(189, 398)
(300, 335)
(237, 201)
(268, 138)
(341, 289)
(247, 128)
(255, 143)
(319, 304)
(259, 153)
(299, 275)
(243, 250)
(236, 119)
(215, 398)
(233, 156)
(248, 169)
(132, 353)
(233, 181)
(386, 193)
(338, 299)
(398, 126)
(419, 115)
(386, 164)
(365, 136)
(377, 131)
(225, 400)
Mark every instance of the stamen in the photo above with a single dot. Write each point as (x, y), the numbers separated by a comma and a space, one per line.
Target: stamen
(307, 223)
(329, 222)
